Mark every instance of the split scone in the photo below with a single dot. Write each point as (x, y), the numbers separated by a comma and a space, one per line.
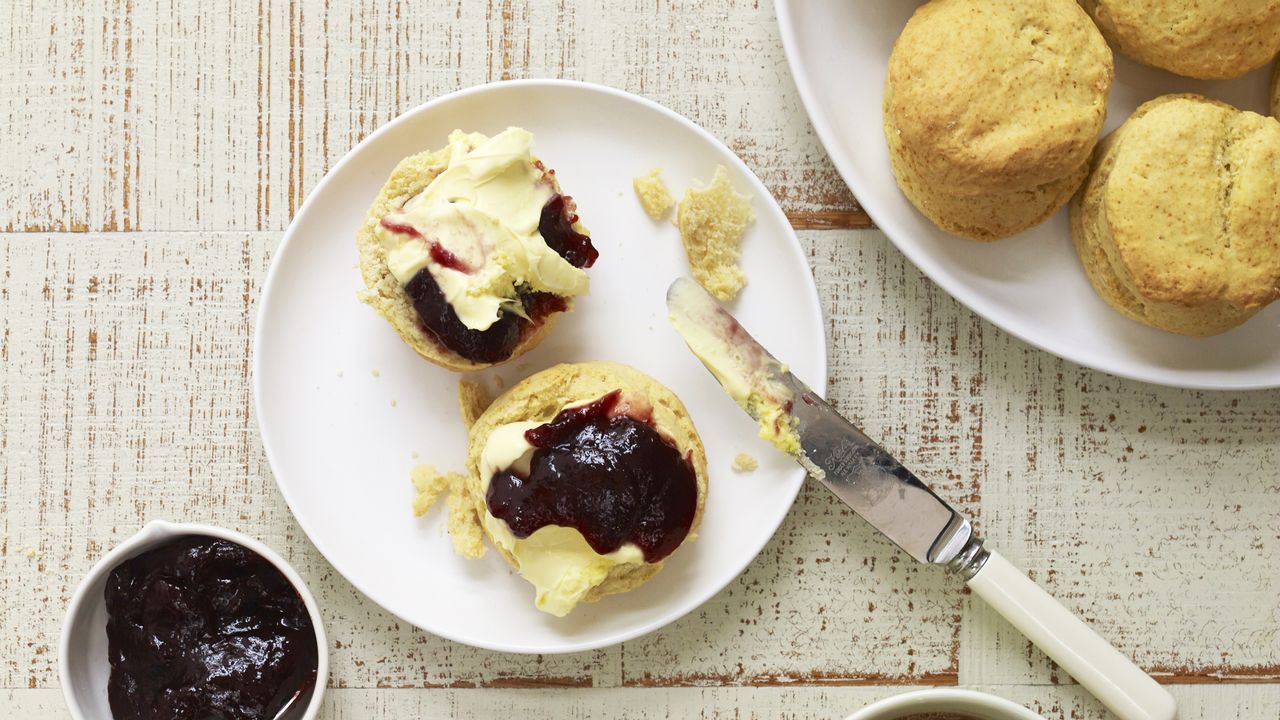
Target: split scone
(1178, 226)
(470, 251)
(586, 477)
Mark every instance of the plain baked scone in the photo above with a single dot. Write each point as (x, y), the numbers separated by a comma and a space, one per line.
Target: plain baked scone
(384, 292)
(542, 395)
(991, 216)
(992, 109)
(1207, 39)
(1178, 226)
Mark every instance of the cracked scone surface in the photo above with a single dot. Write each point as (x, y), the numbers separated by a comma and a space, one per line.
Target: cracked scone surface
(1206, 39)
(541, 396)
(991, 96)
(1178, 226)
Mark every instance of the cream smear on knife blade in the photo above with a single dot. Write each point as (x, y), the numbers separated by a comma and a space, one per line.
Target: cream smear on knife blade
(751, 377)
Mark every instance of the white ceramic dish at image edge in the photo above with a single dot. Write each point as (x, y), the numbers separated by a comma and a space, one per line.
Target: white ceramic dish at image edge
(346, 409)
(83, 666)
(980, 706)
(1031, 285)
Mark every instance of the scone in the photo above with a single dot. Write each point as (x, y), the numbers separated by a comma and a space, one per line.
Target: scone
(1207, 39)
(1178, 226)
(470, 251)
(997, 101)
(991, 216)
(588, 476)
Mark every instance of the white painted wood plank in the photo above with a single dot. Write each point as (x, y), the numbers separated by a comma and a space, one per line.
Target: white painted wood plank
(185, 115)
(1247, 702)
(124, 397)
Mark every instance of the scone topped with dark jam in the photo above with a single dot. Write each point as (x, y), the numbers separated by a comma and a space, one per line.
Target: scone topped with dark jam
(586, 477)
(470, 251)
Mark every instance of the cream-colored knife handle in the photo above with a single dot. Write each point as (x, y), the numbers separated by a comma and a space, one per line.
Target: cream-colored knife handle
(1122, 686)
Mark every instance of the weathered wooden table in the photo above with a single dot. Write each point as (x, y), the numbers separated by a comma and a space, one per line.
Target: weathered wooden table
(154, 153)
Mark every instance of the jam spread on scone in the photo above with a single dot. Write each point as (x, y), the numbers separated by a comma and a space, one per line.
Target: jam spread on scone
(556, 227)
(488, 249)
(610, 475)
(205, 628)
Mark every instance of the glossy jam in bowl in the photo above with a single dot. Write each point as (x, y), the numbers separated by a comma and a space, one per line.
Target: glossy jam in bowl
(84, 667)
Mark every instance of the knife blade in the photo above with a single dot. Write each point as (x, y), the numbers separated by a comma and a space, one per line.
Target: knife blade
(886, 494)
(839, 455)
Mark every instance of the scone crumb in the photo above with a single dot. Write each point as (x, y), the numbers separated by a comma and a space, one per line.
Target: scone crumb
(430, 484)
(464, 519)
(464, 523)
(339, 373)
(393, 403)
(413, 455)
(712, 221)
(472, 401)
(376, 372)
(31, 553)
(654, 196)
(743, 462)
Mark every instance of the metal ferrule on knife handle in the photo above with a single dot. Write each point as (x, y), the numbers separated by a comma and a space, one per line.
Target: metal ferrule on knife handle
(881, 489)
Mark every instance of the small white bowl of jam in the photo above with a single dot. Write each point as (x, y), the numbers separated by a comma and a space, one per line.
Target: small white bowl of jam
(182, 619)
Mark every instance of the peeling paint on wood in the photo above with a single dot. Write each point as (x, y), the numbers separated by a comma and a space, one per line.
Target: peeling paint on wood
(158, 151)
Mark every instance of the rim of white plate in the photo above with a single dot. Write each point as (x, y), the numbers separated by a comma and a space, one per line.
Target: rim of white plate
(853, 177)
(819, 380)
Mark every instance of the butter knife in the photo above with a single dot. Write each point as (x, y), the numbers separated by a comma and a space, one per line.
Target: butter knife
(886, 494)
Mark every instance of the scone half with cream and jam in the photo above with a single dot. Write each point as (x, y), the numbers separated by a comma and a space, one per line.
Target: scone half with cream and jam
(470, 251)
(587, 477)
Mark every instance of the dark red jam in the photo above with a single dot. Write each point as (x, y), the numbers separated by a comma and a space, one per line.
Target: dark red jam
(205, 629)
(556, 227)
(438, 254)
(497, 342)
(612, 477)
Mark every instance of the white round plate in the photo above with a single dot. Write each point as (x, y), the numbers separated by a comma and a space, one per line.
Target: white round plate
(343, 404)
(1031, 285)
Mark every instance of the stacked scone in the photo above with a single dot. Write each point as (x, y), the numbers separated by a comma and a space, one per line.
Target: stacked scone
(1178, 227)
(992, 109)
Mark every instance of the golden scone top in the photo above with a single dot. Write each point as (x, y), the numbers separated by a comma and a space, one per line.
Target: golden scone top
(1193, 204)
(1178, 227)
(998, 95)
(1207, 39)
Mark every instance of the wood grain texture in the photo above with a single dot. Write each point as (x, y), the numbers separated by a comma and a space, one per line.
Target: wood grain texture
(108, 108)
(125, 397)
(158, 149)
(726, 703)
